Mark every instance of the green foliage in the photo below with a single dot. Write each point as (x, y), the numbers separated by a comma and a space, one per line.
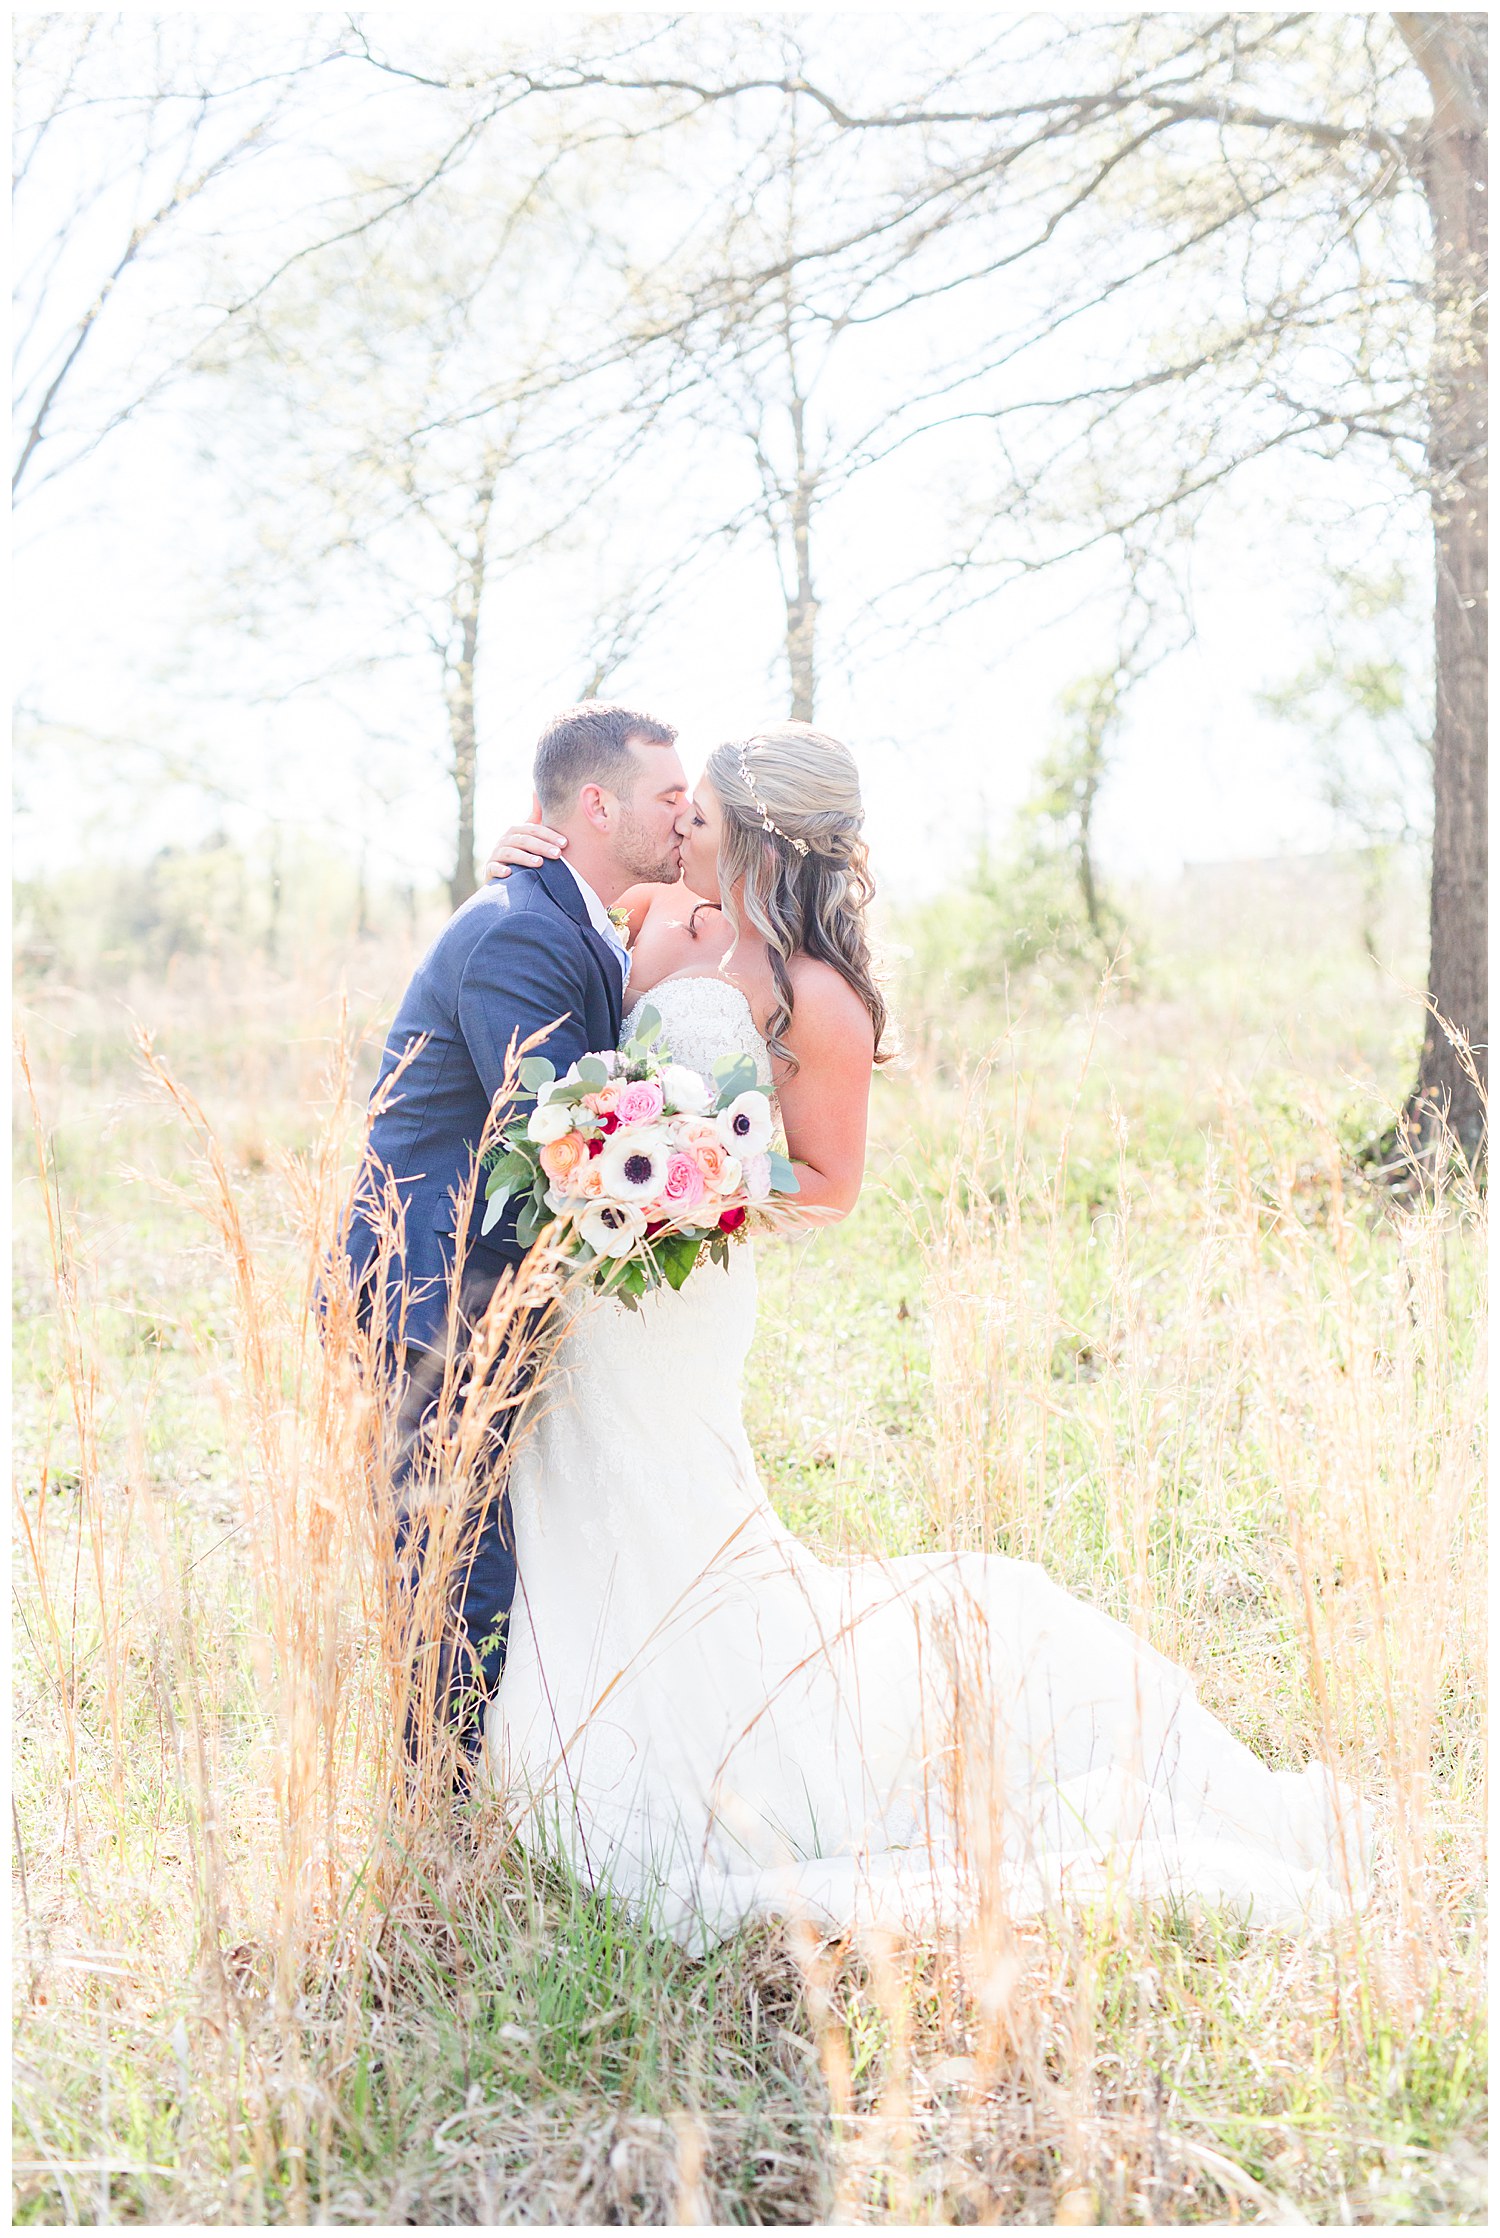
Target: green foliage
(1012, 914)
(279, 897)
(677, 1256)
(647, 1034)
(1034, 910)
(1364, 705)
(734, 1075)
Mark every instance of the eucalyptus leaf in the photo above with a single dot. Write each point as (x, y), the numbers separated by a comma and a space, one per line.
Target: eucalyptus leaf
(734, 1075)
(508, 1174)
(591, 1073)
(530, 1221)
(647, 1027)
(494, 1211)
(784, 1176)
(536, 1072)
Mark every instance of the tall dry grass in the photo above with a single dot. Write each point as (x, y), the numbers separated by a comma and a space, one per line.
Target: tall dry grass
(260, 1978)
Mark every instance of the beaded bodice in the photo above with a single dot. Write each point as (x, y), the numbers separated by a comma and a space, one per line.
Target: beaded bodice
(703, 1018)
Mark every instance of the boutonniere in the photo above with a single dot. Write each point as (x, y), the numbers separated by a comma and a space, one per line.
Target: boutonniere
(619, 917)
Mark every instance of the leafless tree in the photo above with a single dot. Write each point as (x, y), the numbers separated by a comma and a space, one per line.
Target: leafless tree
(1272, 178)
(124, 136)
(430, 438)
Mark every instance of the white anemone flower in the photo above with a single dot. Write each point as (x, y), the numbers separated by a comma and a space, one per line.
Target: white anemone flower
(686, 1090)
(550, 1122)
(745, 1125)
(633, 1164)
(611, 1229)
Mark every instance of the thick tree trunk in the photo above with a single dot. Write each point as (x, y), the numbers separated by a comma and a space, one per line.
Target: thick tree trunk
(1452, 1073)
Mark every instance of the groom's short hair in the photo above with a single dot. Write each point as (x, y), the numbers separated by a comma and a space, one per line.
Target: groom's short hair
(590, 745)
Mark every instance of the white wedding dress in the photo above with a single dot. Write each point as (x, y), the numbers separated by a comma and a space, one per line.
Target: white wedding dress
(705, 1718)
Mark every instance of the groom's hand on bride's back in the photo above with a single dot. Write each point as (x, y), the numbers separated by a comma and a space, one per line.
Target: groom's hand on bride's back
(524, 846)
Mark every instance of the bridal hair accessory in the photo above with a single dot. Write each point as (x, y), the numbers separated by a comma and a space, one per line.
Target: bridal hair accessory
(762, 811)
(640, 1167)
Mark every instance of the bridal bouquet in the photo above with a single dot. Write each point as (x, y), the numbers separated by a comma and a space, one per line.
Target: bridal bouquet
(652, 1166)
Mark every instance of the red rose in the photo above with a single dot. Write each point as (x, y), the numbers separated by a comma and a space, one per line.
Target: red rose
(732, 1219)
(609, 1122)
(596, 1144)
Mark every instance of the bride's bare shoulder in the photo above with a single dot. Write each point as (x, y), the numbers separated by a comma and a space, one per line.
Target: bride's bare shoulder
(659, 903)
(825, 1008)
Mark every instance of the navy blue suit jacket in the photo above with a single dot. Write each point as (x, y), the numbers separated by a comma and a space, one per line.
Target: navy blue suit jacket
(519, 955)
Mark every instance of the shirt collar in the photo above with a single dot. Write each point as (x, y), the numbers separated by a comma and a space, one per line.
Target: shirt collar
(599, 916)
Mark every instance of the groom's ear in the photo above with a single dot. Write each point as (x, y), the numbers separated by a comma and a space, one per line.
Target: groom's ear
(595, 804)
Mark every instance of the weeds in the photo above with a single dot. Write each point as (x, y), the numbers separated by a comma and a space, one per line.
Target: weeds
(1169, 1345)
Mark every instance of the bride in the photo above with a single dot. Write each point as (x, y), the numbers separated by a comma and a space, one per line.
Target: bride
(694, 1710)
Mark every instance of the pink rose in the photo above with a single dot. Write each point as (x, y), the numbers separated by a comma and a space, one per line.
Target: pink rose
(639, 1102)
(683, 1187)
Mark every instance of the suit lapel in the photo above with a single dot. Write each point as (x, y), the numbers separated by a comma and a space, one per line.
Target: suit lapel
(614, 979)
(561, 886)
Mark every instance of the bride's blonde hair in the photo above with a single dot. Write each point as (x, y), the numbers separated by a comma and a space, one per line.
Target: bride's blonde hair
(792, 822)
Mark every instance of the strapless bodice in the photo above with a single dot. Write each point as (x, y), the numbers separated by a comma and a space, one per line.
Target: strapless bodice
(703, 1018)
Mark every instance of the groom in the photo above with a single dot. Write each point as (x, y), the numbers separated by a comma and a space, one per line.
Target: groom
(538, 951)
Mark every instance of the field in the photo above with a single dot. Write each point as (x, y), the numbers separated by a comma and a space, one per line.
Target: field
(1116, 1298)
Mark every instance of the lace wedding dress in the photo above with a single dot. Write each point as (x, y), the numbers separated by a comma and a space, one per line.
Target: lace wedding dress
(699, 1714)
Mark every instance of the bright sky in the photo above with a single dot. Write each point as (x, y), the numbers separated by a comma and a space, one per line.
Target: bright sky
(127, 626)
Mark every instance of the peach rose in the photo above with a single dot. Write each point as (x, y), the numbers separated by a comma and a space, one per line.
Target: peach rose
(719, 1167)
(562, 1159)
(692, 1132)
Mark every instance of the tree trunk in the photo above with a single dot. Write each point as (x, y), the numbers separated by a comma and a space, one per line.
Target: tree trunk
(465, 752)
(802, 608)
(273, 918)
(1449, 1095)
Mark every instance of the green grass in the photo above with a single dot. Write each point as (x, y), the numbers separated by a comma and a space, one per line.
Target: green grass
(1114, 1300)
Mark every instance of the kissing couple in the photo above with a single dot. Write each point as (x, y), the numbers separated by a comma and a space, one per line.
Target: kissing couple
(646, 1670)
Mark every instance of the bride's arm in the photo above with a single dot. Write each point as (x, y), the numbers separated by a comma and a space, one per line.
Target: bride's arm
(524, 846)
(825, 1103)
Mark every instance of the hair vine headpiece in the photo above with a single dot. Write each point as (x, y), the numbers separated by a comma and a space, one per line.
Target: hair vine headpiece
(761, 810)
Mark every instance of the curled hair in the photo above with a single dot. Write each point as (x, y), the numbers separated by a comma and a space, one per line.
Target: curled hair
(792, 822)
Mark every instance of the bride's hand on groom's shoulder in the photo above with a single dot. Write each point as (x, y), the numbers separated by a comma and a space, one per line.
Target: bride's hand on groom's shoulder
(524, 846)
